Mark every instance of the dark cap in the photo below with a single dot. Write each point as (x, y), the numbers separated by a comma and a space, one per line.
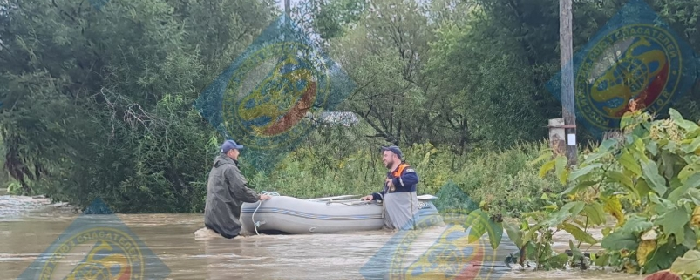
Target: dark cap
(394, 149)
(230, 144)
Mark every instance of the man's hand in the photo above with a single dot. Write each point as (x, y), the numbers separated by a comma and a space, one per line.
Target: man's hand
(264, 197)
(368, 197)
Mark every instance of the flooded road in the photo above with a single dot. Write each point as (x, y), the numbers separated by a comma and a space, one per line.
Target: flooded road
(28, 227)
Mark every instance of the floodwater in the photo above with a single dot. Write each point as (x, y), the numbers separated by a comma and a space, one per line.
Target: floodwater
(29, 226)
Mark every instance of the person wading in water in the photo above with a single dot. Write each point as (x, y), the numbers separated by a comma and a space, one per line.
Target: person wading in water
(227, 189)
(399, 196)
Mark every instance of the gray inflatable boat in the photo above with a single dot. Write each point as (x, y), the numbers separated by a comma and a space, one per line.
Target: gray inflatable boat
(284, 214)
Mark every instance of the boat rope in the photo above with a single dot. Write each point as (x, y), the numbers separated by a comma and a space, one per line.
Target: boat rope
(348, 202)
(257, 223)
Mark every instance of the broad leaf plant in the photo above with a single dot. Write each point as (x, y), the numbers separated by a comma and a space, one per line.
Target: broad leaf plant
(641, 189)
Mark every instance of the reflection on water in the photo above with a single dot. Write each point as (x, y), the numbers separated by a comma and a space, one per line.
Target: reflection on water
(171, 236)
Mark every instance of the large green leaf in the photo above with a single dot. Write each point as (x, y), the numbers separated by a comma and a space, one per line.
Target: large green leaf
(514, 233)
(663, 257)
(668, 162)
(558, 260)
(671, 146)
(583, 171)
(478, 221)
(576, 207)
(531, 251)
(689, 263)
(570, 209)
(640, 146)
(694, 195)
(693, 146)
(619, 240)
(692, 182)
(545, 155)
(635, 225)
(687, 125)
(673, 222)
(650, 172)
(592, 157)
(530, 234)
(579, 234)
(688, 171)
(618, 177)
(642, 188)
(628, 162)
(661, 206)
(651, 147)
(561, 170)
(595, 213)
(691, 238)
(546, 167)
(577, 187)
(606, 146)
(613, 206)
(557, 218)
(495, 231)
(602, 260)
(575, 251)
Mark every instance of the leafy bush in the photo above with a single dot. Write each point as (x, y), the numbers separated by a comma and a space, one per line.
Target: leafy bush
(654, 171)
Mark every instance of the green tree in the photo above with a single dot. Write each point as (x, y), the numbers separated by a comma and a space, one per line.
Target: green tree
(98, 103)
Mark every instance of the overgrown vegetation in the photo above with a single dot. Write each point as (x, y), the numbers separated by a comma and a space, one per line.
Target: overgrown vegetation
(323, 170)
(648, 182)
(99, 102)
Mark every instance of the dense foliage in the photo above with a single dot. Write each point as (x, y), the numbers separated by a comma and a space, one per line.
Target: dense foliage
(320, 170)
(655, 171)
(98, 103)
(647, 182)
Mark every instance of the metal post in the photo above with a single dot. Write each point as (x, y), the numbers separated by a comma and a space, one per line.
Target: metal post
(567, 78)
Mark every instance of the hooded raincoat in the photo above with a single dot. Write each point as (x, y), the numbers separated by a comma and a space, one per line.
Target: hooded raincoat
(227, 189)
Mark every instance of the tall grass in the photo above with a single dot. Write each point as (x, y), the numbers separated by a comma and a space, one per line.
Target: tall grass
(502, 179)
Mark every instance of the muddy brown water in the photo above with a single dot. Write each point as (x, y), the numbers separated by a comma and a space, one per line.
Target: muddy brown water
(29, 226)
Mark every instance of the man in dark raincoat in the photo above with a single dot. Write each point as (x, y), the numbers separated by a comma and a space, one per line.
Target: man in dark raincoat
(399, 197)
(227, 189)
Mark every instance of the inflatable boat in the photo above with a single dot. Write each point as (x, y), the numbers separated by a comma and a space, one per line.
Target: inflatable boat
(284, 214)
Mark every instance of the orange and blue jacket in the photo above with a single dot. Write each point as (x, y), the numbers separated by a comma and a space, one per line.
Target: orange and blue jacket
(404, 179)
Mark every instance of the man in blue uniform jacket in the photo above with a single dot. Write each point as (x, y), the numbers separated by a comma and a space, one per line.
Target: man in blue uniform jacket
(399, 196)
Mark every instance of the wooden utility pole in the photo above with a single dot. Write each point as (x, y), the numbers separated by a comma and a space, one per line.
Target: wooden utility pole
(567, 78)
(286, 7)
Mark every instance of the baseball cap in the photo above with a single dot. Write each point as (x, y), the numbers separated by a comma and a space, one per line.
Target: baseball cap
(230, 144)
(394, 149)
